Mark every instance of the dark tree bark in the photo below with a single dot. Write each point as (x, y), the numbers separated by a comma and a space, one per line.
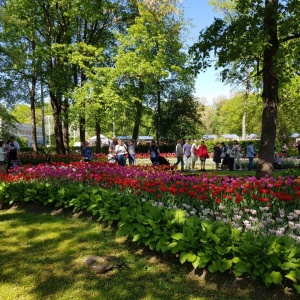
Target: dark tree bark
(56, 106)
(32, 102)
(139, 113)
(270, 94)
(32, 109)
(158, 117)
(137, 120)
(82, 116)
(98, 137)
(65, 125)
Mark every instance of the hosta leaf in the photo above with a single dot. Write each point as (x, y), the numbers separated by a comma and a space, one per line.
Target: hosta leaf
(183, 257)
(191, 257)
(290, 265)
(177, 236)
(196, 262)
(152, 223)
(273, 277)
(136, 237)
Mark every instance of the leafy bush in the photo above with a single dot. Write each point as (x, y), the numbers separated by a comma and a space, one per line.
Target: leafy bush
(212, 238)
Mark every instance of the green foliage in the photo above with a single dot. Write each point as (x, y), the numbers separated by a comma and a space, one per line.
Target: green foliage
(181, 116)
(47, 240)
(205, 244)
(255, 40)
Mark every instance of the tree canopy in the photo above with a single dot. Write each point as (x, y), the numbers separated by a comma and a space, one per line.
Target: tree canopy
(265, 38)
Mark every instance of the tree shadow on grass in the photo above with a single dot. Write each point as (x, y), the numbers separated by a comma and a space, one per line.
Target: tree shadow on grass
(44, 255)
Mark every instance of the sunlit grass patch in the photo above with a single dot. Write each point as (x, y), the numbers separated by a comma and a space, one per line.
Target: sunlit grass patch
(41, 257)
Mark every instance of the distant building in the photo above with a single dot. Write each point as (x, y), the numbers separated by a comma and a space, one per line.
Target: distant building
(25, 131)
(141, 138)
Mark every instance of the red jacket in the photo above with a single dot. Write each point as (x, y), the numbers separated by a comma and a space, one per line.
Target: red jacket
(202, 151)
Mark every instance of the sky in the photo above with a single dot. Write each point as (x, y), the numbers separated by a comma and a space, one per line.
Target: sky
(201, 15)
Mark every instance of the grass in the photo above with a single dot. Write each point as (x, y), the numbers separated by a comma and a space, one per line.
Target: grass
(42, 253)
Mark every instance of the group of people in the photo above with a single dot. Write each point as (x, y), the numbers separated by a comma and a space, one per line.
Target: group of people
(118, 151)
(9, 154)
(223, 156)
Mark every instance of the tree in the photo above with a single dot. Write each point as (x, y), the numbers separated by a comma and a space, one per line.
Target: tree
(151, 63)
(231, 115)
(181, 117)
(262, 35)
(7, 123)
(289, 110)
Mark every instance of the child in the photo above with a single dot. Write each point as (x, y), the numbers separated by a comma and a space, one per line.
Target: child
(277, 161)
(87, 152)
(49, 158)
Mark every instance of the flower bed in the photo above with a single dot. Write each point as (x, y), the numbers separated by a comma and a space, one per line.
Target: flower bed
(250, 226)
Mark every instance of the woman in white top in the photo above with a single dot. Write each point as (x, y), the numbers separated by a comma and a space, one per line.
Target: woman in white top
(194, 155)
(237, 155)
(121, 152)
(2, 156)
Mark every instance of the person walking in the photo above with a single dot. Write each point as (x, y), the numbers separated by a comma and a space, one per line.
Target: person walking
(217, 156)
(179, 154)
(203, 155)
(187, 155)
(237, 155)
(194, 154)
(131, 151)
(250, 154)
(153, 151)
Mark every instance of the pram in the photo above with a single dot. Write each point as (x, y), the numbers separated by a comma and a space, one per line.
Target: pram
(111, 159)
(162, 161)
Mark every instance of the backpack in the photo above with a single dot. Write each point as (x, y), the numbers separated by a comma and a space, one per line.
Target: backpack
(153, 152)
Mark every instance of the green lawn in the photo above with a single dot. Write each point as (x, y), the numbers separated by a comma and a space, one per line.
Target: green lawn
(42, 253)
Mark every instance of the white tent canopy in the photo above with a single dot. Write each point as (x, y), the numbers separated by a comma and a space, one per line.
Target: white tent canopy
(252, 136)
(209, 137)
(230, 136)
(104, 139)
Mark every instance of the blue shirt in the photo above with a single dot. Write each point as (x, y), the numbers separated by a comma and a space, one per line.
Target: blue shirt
(250, 151)
(87, 153)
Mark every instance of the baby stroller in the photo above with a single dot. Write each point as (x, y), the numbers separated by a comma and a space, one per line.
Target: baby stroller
(111, 159)
(162, 161)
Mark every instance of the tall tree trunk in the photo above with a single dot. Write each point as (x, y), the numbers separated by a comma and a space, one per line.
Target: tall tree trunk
(82, 116)
(98, 137)
(32, 100)
(244, 120)
(56, 106)
(270, 94)
(139, 112)
(65, 127)
(32, 109)
(137, 119)
(158, 117)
